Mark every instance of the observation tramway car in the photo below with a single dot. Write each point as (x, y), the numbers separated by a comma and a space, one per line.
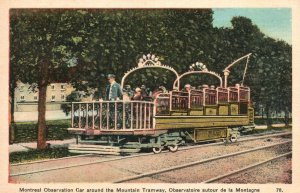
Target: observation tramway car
(169, 120)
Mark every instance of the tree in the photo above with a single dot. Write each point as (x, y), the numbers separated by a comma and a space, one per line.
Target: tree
(42, 43)
(269, 72)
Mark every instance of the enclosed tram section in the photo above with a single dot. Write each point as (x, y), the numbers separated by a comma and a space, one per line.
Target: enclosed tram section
(166, 121)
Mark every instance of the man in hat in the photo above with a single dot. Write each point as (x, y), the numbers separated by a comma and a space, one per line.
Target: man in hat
(113, 93)
(113, 90)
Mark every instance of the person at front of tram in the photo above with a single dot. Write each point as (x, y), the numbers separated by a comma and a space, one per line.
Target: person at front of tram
(113, 90)
(113, 93)
(137, 95)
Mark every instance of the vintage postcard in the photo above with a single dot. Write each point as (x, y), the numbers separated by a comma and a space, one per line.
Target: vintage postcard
(150, 96)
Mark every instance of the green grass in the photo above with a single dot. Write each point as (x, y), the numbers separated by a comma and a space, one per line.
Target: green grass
(34, 154)
(55, 130)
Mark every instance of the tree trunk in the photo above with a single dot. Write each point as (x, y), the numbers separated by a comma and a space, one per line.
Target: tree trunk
(11, 120)
(286, 116)
(43, 83)
(11, 113)
(269, 120)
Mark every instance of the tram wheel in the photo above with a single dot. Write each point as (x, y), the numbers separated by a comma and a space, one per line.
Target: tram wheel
(157, 149)
(233, 139)
(173, 148)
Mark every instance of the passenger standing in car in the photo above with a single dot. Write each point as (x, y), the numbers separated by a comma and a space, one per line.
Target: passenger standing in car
(113, 93)
(113, 90)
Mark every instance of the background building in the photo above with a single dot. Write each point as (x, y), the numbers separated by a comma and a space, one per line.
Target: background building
(26, 101)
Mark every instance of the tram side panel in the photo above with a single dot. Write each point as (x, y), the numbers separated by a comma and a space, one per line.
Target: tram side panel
(181, 122)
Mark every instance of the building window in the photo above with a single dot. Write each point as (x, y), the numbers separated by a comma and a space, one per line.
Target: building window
(53, 98)
(22, 98)
(35, 97)
(52, 86)
(62, 87)
(62, 97)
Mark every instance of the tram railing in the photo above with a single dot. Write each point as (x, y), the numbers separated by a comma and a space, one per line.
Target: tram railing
(209, 96)
(112, 115)
(126, 115)
(162, 104)
(222, 95)
(196, 99)
(244, 94)
(233, 94)
(179, 101)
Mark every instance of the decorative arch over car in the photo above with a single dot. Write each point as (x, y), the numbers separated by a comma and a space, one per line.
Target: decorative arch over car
(149, 61)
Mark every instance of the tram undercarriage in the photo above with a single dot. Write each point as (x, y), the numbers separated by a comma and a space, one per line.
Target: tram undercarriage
(157, 140)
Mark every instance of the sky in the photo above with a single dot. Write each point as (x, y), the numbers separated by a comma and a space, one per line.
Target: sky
(274, 22)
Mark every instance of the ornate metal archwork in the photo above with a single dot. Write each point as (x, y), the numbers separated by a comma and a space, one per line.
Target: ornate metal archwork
(197, 68)
(149, 61)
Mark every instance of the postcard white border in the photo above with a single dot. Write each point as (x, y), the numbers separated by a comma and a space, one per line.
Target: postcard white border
(5, 5)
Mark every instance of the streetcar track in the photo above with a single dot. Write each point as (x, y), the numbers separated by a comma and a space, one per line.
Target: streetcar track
(246, 168)
(151, 173)
(139, 155)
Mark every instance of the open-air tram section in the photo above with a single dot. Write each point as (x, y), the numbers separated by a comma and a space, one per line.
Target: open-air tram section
(167, 120)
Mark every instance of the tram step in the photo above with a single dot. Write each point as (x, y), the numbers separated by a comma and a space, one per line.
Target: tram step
(94, 152)
(93, 146)
(100, 149)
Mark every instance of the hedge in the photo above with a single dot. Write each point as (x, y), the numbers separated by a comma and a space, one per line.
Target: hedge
(35, 154)
(55, 130)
